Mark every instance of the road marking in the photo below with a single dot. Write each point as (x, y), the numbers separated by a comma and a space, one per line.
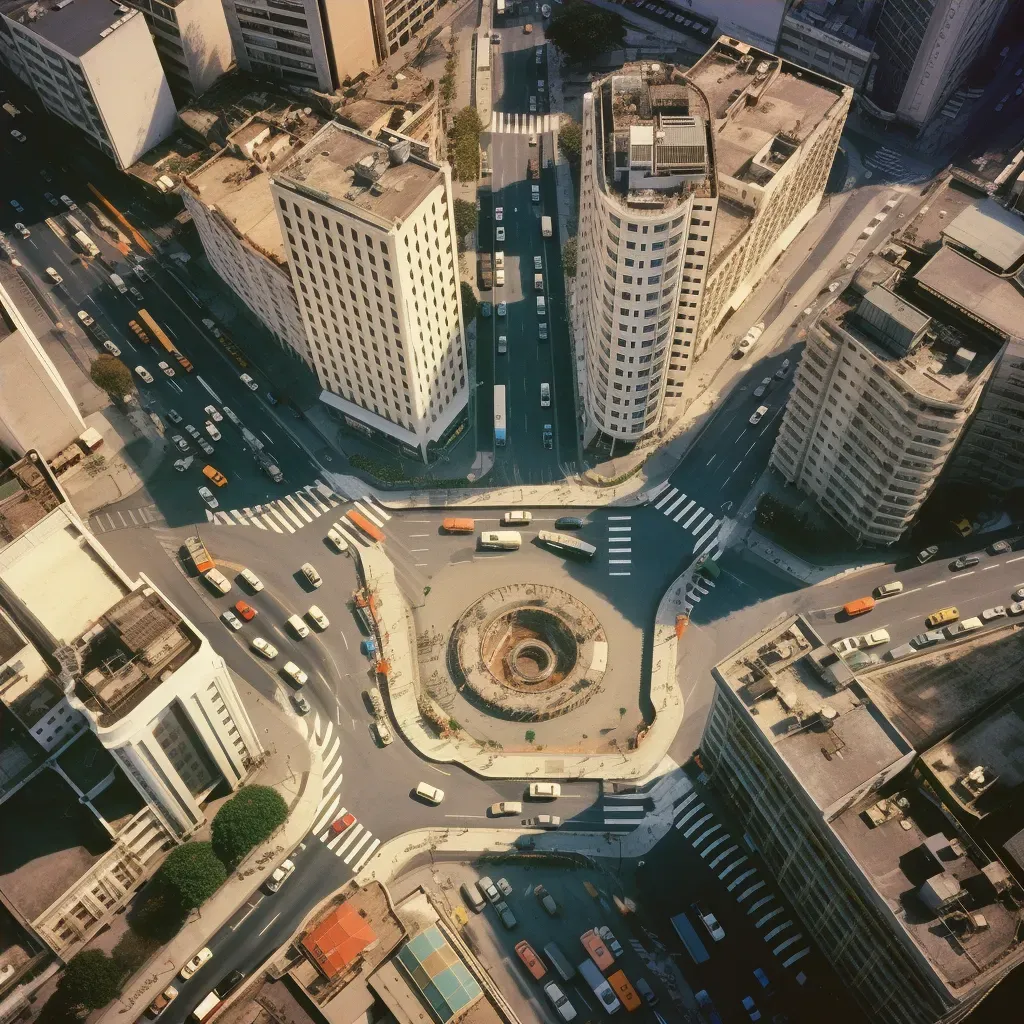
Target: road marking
(938, 584)
(712, 459)
(466, 816)
(620, 551)
(418, 551)
(269, 923)
(668, 497)
(619, 529)
(238, 923)
(440, 771)
(679, 515)
(675, 504)
(914, 591)
(620, 561)
(619, 574)
(1017, 559)
(366, 837)
(960, 575)
(686, 525)
(987, 567)
(613, 519)
(370, 850)
(418, 536)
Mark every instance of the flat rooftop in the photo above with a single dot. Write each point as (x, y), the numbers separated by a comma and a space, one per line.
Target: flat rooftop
(240, 191)
(924, 230)
(26, 497)
(355, 171)
(955, 279)
(75, 28)
(992, 232)
(731, 221)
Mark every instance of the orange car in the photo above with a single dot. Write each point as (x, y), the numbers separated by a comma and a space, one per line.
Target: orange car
(246, 610)
(344, 822)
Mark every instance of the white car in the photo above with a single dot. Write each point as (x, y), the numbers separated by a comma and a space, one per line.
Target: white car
(231, 619)
(212, 430)
(544, 790)
(249, 382)
(212, 412)
(520, 516)
(18, 135)
(207, 495)
(853, 643)
(295, 674)
(111, 347)
(281, 875)
(85, 318)
(205, 445)
(431, 794)
(144, 374)
(54, 276)
(337, 540)
(610, 941)
(317, 617)
(757, 415)
(68, 202)
(167, 369)
(204, 956)
(22, 230)
(1016, 608)
(499, 212)
(135, 294)
(499, 233)
(180, 443)
(993, 613)
(312, 576)
(264, 647)
(252, 580)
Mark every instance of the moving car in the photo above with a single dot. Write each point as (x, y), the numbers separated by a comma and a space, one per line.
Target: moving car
(559, 1001)
(54, 276)
(213, 413)
(502, 308)
(231, 619)
(502, 344)
(162, 1001)
(752, 1011)
(499, 212)
(312, 576)
(144, 374)
(499, 233)
(18, 206)
(748, 340)
(173, 416)
(212, 430)
(888, 589)
(204, 445)
(18, 135)
(317, 617)
(280, 875)
(547, 901)
(504, 807)
(264, 647)
(569, 523)
(217, 580)
(531, 961)
(203, 957)
(757, 415)
(215, 477)
(963, 527)
(252, 580)
(853, 643)
(191, 431)
(941, 617)
(610, 941)
(547, 436)
(346, 821)
(249, 382)
(300, 704)
(927, 554)
(69, 203)
(207, 495)
(715, 930)
(51, 198)
(337, 540)
(933, 636)
(1000, 547)
(783, 370)
(22, 230)
(166, 368)
(762, 387)
(111, 347)
(246, 610)
(546, 821)
(544, 790)
(431, 794)
(295, 674)
(964, 562)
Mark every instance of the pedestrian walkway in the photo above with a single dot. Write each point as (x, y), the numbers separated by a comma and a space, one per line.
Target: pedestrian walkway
(355, 844)
(624, 811)
(691, 516)
(620, 541)
(123, 519)
(728, 859)
(522, 124)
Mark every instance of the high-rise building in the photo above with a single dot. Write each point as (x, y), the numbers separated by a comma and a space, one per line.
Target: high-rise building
(925, 48)
(882, 394)
(395, 22)
(93, 63)
(692, 184)
(121, 719)
(369, 235)
(829, 37)
(882, 799)
(36, 409)
(192, 41)
(317, 44)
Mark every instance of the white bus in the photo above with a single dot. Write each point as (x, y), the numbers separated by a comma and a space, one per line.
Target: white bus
(501, 540)
(593, 977)
(569, 545)
(499, 414)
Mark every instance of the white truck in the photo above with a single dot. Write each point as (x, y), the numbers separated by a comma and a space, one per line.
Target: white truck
(499, 260)
(118, 283)
(545, 226)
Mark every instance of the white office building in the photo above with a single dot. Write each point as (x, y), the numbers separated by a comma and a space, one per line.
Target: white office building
(93, 63)
(370, 240)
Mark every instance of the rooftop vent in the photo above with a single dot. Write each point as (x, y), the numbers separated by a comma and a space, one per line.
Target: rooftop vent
(398, 152)
(366, 171)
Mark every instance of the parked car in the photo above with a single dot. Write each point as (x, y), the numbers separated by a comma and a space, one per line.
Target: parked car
(748, 1003)
(249, 382)
(213, 413)
(212, 430)
(710, 922)
(610, 941)
(295, 674)
(180, 443)
(998, 612)
(783, 370)
(203, 957)
(173, 416)
(488, 889)
(543, 790)
(927, 554)
(933, 636)
(162, 1001)
(547, 901)
(508, 919)
(22, 230)
(111, 347)
(503, 887)
(317, 617)
(762, 387)
(246, 610)
(166, 368)
(54, 276)
(964, 562)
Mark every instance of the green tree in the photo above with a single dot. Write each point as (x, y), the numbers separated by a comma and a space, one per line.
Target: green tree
(570, 138)
(583, 32)
(90, 979)
(193, 873)
(469, 302)
(465, 140)
(246, 820)
(569, 258)
(465, 218)
(110, 374)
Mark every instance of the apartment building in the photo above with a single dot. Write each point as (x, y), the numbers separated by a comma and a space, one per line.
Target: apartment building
(192, 41)
(830, 38)
(234, 212)
(396, 22)
(121, 719)
(369, 236)
(315, 44)
(881, 799)
(727, 161)
(36, 409)
(925, 48)
(92, 63)
(881, 396)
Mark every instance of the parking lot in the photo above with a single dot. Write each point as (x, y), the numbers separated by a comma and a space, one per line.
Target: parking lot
(578, 911)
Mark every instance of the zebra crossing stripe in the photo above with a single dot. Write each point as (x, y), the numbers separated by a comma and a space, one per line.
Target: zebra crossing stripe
(767, 917)
(789, 942)
(364, 839)
(302, 501)
(754, 907)
(779, 928)
(739, 878)
(796, 956)
(353, 832)
(370, 850)
(696, 825)
(702, 537)
(242, 521)
(270, 522)
(679, 515)
(667, 497)
(749, 892)
(328, 814)
(714, 845)
(377, 507)
(686, 525)
(707, 832)
(369, 515)
(725, 853)
(294, 502)
(675, 504)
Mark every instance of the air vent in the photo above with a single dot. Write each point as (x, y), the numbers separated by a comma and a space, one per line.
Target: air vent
(61, 4)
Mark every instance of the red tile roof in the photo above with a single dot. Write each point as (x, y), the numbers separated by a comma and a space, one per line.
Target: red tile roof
(338, 940)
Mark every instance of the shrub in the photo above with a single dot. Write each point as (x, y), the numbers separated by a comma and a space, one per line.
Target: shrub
(90, 979)
(465, 143)
(569, 258)
(246, 820)
(570, 138)
(469, 301)
(465, 217)
(192, 874)
(110, 374)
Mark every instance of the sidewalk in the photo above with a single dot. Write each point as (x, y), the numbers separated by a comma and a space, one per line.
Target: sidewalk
(296, 772)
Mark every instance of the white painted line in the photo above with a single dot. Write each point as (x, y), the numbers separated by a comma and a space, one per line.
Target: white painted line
(617, 808)
(270, 522)
(747, 892)
(714, 845)
(796, 956)
(689, 814)
(619, 574)
(350, 837)
(725, 853)
(754, 907)
(376, 520)
(283, 510)
(707, 832)
(937, 584)
(611, 519)
(620, 561)
(269, 923)
(961, 575)
(692, 518)
(667, 497)
(619, 529)
(364, 839)
(675, 504)
(377, 507)
(702, 524)
(328, 815)
(620, 551)
(767, 917)
(1017, 559)
(303, 506)
(370, 850)
(679, 515)
(708, 532)
(739, 878)
(789, 942)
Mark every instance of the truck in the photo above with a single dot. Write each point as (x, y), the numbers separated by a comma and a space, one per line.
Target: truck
(499, 414)
(365, 525)
(86, 244)
(500, 8)
(499, 278)
(499, 260)
(486, 280)
(538, 282)
(269, 466)
(117, 281)
(545, 226)
(198, 554)
(252, 440)
(206, 1007)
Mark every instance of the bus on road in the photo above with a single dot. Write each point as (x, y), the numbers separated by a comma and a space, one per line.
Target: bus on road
(499, 414)
(569, 545)
(365, 525)
(165, 343)
(690, 939)
(501, 540)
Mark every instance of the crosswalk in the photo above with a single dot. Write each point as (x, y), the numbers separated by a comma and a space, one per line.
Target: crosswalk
(624, 810)
(300, 508)
(356, 845)
(727, 858)
(522, 124)
(123, 519)
(691, 516)
(620, 545)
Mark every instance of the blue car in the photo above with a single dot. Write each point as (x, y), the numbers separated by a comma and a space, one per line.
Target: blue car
(485, 309)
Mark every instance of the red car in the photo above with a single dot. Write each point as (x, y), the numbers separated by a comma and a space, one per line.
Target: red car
(344, 822)
(246, 610)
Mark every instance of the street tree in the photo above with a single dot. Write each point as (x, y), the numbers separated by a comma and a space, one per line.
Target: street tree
(90, 979)
(570, 138)
(110, 374)
(469, 301)
(193, 873)
(246, 820)
(465, 142)
(582, 31)
(569, 257)
(465, 218)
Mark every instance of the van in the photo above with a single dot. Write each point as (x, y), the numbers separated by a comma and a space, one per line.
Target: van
(545, 395)
(966, 626)
(556, 957)
(431, 794)
(375, 701)
(474, 901)
(214, 476)
(299, 628)
(888, 589)
(500, 540)
(542, 309)
(646, 992)
(520, 516)
(544, 790)
(531, 961)
(625, 991)
(859, 607)
(499, 278)
(941, 617)
(459, 526)
(218, 581)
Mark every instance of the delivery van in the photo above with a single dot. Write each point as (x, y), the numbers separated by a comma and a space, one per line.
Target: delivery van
(298, 627)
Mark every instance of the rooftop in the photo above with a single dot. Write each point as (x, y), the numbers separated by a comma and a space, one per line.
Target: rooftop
(955, 279)
(26, 496)
(343, 166)
(74, 26)
(847, 20)
(992, 233)
(923, 231)
(339, 940)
